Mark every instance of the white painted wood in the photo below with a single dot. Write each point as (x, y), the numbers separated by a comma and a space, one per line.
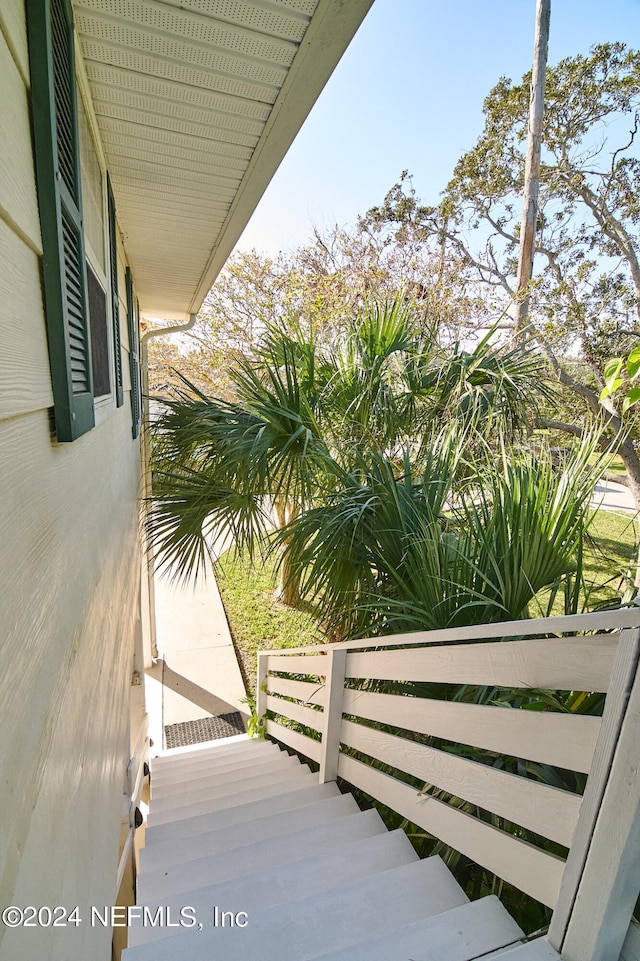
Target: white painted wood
(203, 768)
(125, 857)
(462, 934)
(14, 28)
(296, 712)
(332, 716)
(211, 752)
(244, 861)
(561, 739)
(240, 781)
(18, 199)
(610, 882)
(293, 783)
(299, 742)
(315, 665)
(530, 869)
(537, 950)
(631, 947)
(189, 772)
(280, 884)
(615, 706)
(261, 680)
(185, 788)
(546, 810)
(337, 918)
(214, 841)
(135, 775)
(559, 663)
(187, 769)
(239, 814)
(25, 381)
(565, 624)
(302, 690)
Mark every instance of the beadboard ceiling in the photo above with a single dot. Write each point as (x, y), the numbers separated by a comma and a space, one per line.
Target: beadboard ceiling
(197, 102)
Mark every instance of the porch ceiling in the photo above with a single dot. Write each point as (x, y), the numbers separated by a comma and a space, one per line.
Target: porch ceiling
(197, 102)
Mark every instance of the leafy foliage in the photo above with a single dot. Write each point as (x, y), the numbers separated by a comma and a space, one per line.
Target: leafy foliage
(585, 296)
(307, 421)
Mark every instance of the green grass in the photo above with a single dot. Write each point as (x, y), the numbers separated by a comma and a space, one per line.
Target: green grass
(258, 620)
(610, 559)
(615, 467)
(613, 552)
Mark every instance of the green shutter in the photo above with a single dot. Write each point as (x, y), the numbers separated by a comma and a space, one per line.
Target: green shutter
(53, 92)
(115, 303)
(133, 320)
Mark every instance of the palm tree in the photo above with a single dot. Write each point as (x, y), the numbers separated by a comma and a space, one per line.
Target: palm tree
(393, 551)
(311, 427)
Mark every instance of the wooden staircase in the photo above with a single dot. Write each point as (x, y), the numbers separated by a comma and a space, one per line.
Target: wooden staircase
(273, 865)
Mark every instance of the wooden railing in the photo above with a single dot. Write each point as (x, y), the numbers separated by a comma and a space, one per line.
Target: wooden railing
(325, 702)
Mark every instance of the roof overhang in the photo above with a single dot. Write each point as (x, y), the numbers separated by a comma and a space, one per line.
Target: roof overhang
(197, 102)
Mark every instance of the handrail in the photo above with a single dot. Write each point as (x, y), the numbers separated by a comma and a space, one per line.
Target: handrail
(619, 618)
(352, 729)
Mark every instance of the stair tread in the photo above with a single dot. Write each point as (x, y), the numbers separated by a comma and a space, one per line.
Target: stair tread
(178, 772)
(246, 792)
(209, 749)
(172, 766)
(245, 779)
(189, 784)
(463, 933)
(537, 950)
(277, 884)
(336, 918)
(229, 837)
(247, 860)
(239, 814)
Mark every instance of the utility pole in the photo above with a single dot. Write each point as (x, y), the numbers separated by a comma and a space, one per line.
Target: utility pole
(532, 167)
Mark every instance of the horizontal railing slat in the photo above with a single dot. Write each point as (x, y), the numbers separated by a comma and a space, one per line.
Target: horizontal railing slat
(546, 810)
(306, 691)
(299, 742)
(531, 870)
(296, 712)
(625, 617)
(558, 663)
(315, 664)
(563, 740)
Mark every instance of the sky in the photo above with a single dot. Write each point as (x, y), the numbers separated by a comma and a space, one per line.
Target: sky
(407, 95)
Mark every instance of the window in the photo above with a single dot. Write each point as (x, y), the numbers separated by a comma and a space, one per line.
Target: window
(133, 321)
(82, 321)
(115, 300)
(53, 91)
(98, 324)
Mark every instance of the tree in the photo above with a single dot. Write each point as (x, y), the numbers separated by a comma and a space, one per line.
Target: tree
(445, 545)
(309, 418)
(586, 295)
(319, 287)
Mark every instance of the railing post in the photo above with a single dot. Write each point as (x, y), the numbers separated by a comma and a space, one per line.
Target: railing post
(593, 925)
(334, 688)
(261, 680)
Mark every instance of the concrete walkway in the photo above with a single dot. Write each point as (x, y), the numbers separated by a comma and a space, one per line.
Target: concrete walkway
(196, 655)
(610, 496)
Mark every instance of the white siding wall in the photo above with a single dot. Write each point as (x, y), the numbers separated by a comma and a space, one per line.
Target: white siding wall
(69, 588)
